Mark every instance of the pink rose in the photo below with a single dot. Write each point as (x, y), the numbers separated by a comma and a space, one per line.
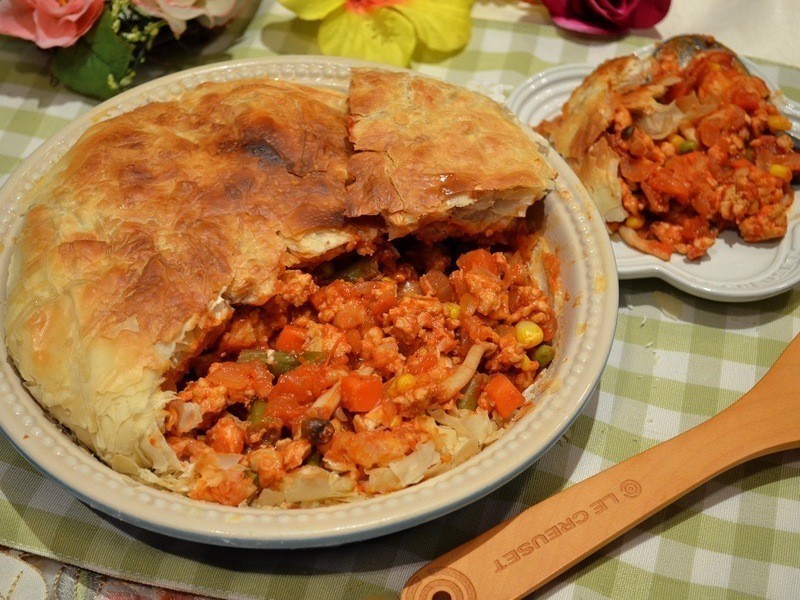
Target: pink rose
(49, 23)
(606, 16)
(211, 13)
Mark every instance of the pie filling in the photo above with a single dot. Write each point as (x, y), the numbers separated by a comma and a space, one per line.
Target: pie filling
(368, 373)
(686, 153)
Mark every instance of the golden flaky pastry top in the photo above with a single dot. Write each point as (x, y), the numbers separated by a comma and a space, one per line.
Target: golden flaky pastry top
(436, 156)
(139, 243)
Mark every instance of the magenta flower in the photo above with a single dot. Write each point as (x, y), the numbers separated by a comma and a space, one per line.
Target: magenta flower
(606, 16)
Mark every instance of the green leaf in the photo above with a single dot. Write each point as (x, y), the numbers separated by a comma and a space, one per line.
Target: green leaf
(89, 64)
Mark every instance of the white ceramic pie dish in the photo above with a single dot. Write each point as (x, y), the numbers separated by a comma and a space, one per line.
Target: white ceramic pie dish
(733, 271)
(573, 228)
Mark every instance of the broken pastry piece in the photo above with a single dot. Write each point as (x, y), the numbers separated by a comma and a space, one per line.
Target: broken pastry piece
(436, 159)
(675, 153)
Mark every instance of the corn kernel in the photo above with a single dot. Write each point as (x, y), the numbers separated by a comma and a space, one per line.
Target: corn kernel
(778, 123)
(676, 140)
(452, 310)
(633, 222)
(780, 171)
(404, 383)
(529, 334)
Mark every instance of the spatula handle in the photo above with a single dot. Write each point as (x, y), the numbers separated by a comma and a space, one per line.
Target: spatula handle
(527, 551)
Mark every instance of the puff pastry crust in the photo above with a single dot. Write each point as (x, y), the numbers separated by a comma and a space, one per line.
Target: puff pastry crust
(436, 159)
(138, 245)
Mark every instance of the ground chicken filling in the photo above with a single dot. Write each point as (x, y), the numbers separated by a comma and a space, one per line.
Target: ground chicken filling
(708, 153)
(365, 375)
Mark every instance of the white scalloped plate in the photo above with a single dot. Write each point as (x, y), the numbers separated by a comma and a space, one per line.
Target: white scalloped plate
(733, 271)
(587, 322)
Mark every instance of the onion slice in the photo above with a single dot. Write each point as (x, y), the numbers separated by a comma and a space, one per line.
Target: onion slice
(462, 374)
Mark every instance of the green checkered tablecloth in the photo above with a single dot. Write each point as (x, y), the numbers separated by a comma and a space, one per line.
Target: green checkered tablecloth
(676, 360)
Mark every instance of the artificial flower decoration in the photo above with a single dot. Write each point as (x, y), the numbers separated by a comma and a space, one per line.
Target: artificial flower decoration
(98, 45)
(386, 31)
(211, 13)
(606, 17)
(49, 23)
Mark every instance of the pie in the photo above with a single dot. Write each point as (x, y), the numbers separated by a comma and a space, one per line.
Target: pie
(266, 293)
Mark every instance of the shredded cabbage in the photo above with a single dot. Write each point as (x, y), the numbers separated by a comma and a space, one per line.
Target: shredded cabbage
(308, 484)
(412, 468)
(458, 448)
(474, 425)
(381, 481)
(406, 471)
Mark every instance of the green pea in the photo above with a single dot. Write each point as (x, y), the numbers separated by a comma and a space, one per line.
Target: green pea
(544, 355)
(687, 146)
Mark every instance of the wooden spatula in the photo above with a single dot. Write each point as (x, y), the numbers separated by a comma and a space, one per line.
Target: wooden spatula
(516, 557)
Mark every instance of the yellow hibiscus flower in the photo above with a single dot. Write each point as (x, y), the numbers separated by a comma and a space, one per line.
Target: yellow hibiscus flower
(386, 30)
